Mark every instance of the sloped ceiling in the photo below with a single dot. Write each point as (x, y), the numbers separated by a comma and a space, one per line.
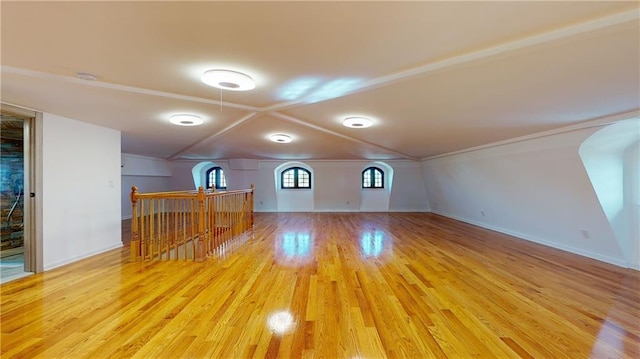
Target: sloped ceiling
(434, 77)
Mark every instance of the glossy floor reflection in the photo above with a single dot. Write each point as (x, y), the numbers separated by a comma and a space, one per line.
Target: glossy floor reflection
(334, 285)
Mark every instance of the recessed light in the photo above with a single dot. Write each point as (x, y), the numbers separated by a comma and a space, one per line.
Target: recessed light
(357, 122)
(228, 80)
(280, 138)
(186, 120)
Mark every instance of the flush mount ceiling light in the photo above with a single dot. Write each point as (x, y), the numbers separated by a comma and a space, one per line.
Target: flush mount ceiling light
(357, 122)
(228, 80)
(280, 138)
(186, 120)
(85, 76)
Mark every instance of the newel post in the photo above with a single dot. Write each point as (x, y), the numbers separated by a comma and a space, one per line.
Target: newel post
(135, 237)
(200, 243)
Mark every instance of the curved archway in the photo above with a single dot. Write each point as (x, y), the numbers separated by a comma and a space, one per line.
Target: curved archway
(199, 172)
(377, 199)
(611, 157)
(294, 200)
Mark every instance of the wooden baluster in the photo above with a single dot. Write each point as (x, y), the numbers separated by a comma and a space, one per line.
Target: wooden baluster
(167, 227)
(251, 204)
(207, 233)
(135, 239)
(213, 230)
(143, 229)
(192, 227)
(230, 216)
(152, 227)
(245, 212)
(216, 223)
(162, 223)
(181, 226)
(160, 235)
(175, 228)
(239, 213)
(199, 254)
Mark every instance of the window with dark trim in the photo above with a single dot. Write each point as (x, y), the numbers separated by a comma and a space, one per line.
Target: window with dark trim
(295, 177)
(215, 176)
(372, 177)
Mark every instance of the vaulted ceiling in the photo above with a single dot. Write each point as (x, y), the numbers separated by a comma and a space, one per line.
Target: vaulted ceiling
(434, 77)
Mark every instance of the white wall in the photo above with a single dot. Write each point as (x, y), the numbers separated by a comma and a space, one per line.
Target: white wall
(80, 191)
(632, 199)
(407, 194)
(377, 199)
(295, 200)
(336, 185)
(610, 159)
(536, 189)
(146, 173)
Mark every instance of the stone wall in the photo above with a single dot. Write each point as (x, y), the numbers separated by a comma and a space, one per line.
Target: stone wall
(11, 188)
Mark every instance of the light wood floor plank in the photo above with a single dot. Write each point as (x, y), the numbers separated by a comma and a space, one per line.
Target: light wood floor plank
(356, 285)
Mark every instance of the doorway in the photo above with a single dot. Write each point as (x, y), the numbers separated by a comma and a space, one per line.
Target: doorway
(15, 242)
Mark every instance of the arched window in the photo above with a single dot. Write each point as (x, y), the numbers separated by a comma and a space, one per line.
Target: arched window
(295, 177)
(215, 176)
(372, 177)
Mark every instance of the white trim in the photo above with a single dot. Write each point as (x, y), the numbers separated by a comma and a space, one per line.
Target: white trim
(143, 157)
(325, 130)
(599, 122)
(538, 39)
(602, 258)
(345, 163)
(18, 110)
(82, 256)
(217, 134)
(131, 89)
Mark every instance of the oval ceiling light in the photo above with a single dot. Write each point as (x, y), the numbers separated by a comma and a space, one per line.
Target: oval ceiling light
(186, 120)
(280, 138)
(357, 122)
(228, 80)
(86, 76)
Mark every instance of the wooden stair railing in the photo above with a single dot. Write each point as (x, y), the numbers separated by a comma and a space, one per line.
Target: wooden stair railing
(187, 225)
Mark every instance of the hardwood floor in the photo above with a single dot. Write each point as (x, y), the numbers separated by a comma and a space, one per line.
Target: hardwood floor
(368, 285)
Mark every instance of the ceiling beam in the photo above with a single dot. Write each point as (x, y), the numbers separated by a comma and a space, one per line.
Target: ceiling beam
(558, 34)
(244, 119)
(322, 129)
(131, 89)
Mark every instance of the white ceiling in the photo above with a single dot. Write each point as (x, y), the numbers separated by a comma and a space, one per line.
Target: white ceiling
(435, 77)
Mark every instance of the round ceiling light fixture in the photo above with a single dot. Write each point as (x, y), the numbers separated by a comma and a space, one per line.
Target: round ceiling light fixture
(186, 120)
(357, 122)
(228, 80)
(280, 138)
(86, 76)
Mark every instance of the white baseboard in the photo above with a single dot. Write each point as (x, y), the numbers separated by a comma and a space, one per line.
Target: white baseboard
(79, 257)
(602, 258)
(350, 211)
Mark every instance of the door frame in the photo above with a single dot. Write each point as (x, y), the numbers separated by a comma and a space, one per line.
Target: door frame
(32, 187)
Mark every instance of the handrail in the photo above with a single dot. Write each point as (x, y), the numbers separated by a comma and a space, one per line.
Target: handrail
(188, 224)
(185, 193)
